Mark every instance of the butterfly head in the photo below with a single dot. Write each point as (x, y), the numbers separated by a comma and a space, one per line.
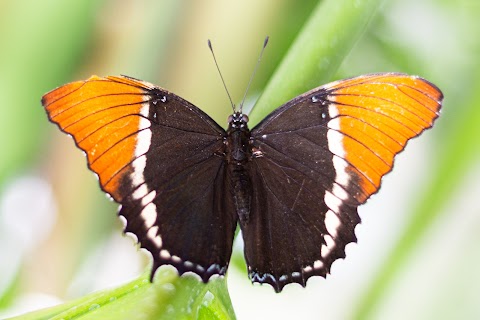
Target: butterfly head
(237, 121)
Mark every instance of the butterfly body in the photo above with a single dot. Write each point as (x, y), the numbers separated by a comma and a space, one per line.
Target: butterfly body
(293, 182)
(238, 153)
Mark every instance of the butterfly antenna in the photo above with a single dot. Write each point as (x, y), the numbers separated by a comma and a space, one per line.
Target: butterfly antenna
(223, 81)
(254, 72)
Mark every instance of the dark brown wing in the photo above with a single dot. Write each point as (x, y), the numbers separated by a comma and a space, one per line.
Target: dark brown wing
(160, 157)
(319, 156)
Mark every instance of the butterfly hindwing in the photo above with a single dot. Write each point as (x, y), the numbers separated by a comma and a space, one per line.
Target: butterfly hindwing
(317, 158)
(160, 158)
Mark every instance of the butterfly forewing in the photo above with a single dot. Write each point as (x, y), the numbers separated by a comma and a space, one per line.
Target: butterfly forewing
(160, 158)
(317, 158)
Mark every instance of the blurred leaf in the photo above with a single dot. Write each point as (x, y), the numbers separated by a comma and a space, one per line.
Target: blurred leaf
(8, 294)
(169, 297)
(288, 22)
(328, 36)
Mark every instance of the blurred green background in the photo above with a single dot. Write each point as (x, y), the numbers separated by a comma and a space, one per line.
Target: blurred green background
(417, 255)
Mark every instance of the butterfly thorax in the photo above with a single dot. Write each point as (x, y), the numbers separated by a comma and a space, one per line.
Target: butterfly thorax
(238, 153)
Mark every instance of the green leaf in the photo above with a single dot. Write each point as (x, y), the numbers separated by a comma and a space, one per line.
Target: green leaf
(328, 36)
(169, 297)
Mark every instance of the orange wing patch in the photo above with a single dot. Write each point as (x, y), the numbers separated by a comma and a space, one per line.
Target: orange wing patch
(103, 116)
(377, 114)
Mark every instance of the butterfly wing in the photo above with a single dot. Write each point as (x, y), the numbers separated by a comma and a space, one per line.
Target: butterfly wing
(320, 156)
(159, 157)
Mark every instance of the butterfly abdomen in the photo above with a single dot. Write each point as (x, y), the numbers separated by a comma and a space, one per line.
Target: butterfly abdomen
(242, 191)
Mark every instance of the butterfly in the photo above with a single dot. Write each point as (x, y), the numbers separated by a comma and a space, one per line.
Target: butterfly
(293, 182)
